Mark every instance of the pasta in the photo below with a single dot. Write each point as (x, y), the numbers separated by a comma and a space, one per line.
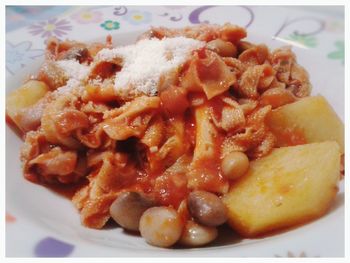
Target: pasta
(163, 145)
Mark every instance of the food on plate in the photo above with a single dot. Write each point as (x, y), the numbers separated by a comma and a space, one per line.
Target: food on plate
(195, 235)
(19, 104)
(179, 133)
(206, 208)
(234, 165)
(128, 208)
(311, 119)
(161, 226)
(289, 186)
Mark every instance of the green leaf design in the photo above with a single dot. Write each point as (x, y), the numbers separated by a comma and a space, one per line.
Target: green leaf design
(336, 55)
(339, 53)
(307, 41)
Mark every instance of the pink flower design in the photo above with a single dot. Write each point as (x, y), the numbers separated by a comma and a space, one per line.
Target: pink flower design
(10, 218)
(51, 27)
(87, 16)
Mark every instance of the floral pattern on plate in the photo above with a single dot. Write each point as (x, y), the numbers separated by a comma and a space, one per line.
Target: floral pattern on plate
(110, 25)
(305, 40)
(52, 27)
(339, 53)
(51, 247)
(87, 17)
(10, 218)
(135, 17)
(19, 55)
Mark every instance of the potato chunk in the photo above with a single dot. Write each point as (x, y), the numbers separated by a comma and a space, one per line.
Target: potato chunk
(290, 186)
(25, 96)
(308, 120)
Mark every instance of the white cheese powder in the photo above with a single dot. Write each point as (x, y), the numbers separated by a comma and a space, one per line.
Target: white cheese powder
(69, 87)
(73, 69)
(147, 60)
(76, 73)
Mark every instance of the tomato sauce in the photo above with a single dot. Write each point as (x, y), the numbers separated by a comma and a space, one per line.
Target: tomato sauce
(190, 129)
(208, 171)
(171, 189)
(174, 100)
(216, 104)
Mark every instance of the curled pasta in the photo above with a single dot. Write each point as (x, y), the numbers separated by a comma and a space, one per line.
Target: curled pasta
(255, 78)
(52, 128)
(131, 119)
(255, 55)
(166, 144)
(299, 84)
(202, 32)
(282, 60)
(56, 163)
(227, 114)
(113, 172)
(277, 97)
(253, 136)
(208, 72)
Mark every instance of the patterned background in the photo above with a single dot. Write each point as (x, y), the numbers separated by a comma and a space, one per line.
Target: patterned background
(324, 34)
(28, 28)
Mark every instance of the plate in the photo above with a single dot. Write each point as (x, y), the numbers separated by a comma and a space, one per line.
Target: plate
(44, 224)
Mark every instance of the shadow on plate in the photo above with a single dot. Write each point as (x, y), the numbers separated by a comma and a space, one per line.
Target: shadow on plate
(226, 236)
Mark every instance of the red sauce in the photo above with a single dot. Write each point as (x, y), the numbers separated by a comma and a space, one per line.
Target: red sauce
(105, 70)
(190, 128)
(174, 100)
(31, 177)
(208, 176)
(208, 70)
(171, 189)
(216, 104)
(92, 138)
(66, 190)
(208, 171)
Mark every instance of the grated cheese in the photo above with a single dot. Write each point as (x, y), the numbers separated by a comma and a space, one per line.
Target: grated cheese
(74, 69)
(69, 87)
(147, 60)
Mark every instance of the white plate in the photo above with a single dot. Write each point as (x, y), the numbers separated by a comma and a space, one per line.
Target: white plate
(46, 224)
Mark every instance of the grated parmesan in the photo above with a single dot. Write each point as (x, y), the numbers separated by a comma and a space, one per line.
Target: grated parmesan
(69, 87)
(73, 69)
(147, 60)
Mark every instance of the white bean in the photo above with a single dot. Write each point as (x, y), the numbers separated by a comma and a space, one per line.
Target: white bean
(195, 235)
(128, 208)
(234, 165)
(161, 226)
(206, 208)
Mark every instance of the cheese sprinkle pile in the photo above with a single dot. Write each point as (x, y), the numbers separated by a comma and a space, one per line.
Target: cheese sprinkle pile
(146, 61)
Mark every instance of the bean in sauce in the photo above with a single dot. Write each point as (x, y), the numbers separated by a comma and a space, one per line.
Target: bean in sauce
(128, 208)
(206, 208)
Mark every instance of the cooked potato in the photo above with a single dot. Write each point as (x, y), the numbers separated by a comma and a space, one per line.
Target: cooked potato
(25, 96)
(291, 185)
(308, 120)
